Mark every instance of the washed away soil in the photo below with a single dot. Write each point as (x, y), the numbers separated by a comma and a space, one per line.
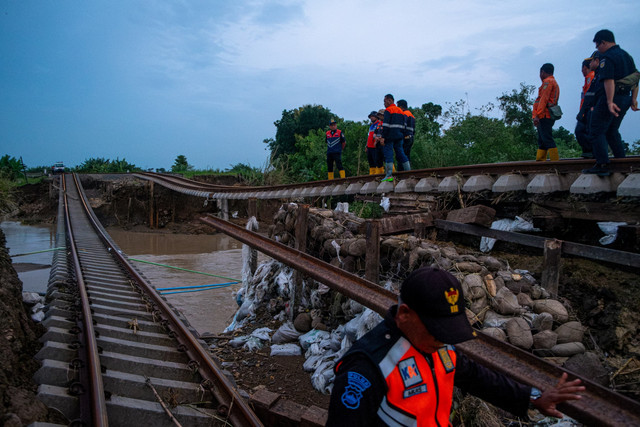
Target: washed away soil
(597, 294)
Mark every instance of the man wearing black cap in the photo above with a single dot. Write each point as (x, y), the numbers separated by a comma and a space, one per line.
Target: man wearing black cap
(614, 97)
(335, 144)
(402, 372)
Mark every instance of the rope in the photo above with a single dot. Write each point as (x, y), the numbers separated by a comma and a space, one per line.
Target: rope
(183, 269)
(195, 286)
(39, 252)
(222, 285)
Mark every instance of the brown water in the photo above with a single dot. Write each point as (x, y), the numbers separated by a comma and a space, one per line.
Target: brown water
(22, 240)
(208, 311)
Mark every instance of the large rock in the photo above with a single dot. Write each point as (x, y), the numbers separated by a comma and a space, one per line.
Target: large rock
(525, 300)
(570, 332)
(478, 306)
(469, 267)
(519, 333)
(542, 322)
(473, 287)
(496, 333)
(491, 263)
(505, 302)
(568, 349)
(553, 307)
(588, 365)
(545, 339)
(302, 322)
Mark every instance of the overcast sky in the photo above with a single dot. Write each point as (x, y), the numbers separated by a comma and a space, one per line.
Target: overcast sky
(149, 80)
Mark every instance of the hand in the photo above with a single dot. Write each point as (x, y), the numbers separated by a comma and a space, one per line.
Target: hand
(634, 105)
(562, 392)
(613, 109)
(382, 141)
(536, 121)
(344, 144)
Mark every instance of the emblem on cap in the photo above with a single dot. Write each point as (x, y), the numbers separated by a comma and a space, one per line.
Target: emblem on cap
(452, 296)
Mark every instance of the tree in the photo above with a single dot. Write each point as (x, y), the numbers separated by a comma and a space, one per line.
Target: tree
(296, 122)
(517, 107)
(181, 164)
(102, 165)
(10, 167)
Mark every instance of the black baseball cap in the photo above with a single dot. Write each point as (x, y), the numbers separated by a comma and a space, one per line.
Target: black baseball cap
(373, 113)
(332, 122)
(436, 296)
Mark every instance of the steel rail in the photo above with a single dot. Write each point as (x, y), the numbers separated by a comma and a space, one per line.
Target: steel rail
(598, 406)
(97, 403)
(238, 410)
(566, 166)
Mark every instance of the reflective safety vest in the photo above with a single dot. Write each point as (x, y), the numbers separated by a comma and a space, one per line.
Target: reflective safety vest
(419, 390)
(334, 141)
(548, 94)
(587, 84)
(393, 124)
(410, 123)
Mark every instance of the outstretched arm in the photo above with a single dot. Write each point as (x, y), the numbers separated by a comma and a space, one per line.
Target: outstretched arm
(563, 391)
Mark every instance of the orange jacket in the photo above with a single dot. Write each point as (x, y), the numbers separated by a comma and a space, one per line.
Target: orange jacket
(588, 79)
(548, 94)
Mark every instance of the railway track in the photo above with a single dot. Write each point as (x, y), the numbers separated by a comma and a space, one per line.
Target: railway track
(114, 351)
(599, 406)
(357, 184)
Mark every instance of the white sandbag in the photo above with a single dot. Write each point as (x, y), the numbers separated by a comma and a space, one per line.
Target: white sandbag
(285, 333)
(262, 334)
(290, 349)
(313, 336)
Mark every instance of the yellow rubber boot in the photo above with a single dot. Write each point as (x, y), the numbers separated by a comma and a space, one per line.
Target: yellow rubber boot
(553, 154)
(379, 170)
(394, 168)
(372, 171)
(330, 175)
(342, 174)
(541, 155)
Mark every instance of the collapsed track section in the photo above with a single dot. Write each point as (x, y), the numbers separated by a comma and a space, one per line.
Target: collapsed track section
(114, 351)
(598, 406)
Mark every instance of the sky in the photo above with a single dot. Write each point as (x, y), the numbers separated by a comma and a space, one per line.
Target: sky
(149, 80)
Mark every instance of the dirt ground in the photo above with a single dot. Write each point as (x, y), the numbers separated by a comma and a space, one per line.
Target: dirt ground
(599, 296)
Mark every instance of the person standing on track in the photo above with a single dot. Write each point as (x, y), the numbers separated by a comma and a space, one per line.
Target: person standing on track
(548, 95)
(403, 372)
(582, 128)
(393, 132)
(374, 155)
(336, 142)
(410, 126)
(617, 91)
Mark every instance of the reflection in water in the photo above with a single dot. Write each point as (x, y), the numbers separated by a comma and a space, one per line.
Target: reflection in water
(207, 311)
(22, 239)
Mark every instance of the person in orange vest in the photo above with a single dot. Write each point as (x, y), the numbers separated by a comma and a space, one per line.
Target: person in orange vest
(393, 132)
(336, 142)
(403, 371)
(409, 127)
(582, 129)
(374, 153)
(548, 95)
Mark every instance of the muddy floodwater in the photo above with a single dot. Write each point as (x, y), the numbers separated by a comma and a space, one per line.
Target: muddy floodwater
(31, 250)
(208, 311)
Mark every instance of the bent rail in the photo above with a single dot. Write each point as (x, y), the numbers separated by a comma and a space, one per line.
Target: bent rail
(599, 405)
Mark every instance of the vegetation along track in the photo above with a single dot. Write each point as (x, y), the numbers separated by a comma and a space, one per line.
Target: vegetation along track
(114, 351)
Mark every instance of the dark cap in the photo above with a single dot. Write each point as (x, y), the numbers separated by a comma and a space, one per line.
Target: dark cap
(436, 296)
(332, 122)
(381, 112)
(373, 113)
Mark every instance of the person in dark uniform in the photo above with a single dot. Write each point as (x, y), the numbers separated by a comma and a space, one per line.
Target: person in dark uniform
(393, 132)
(403, 372)
(410, 126)
(612, 100)
(335, 144)
(582, 118)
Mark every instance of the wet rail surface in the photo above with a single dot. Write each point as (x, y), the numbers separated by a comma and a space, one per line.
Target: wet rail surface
(599, 405)
(114, 351)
